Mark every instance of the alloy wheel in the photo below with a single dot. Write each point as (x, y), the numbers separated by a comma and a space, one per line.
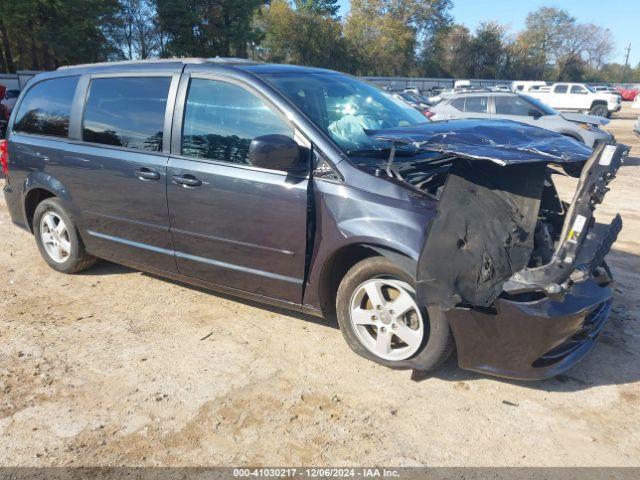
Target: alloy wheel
(386, 318)
(55, 237)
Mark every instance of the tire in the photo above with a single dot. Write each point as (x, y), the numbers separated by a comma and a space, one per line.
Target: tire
(61, 248)
(599, 110)
(429, 347)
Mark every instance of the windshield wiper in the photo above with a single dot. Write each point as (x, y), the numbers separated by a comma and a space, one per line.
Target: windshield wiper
(382, 152)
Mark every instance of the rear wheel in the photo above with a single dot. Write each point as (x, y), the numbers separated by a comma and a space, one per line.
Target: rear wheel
(57, 238)
(381, 320)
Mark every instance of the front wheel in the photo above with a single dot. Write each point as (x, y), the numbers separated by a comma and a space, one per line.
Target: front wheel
(381, 320)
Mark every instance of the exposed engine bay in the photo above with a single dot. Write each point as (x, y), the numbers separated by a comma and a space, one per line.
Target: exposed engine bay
(501, 228)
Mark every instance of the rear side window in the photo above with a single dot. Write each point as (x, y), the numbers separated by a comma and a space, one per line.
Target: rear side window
(560, 89)
(126, 112)
(476, 104)
(578, 89)
(221, 119)
(46, 107)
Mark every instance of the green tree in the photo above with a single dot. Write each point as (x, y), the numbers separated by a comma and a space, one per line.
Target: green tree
(207, 28)
(487, 51)
(449, 53)
(301, 36)
(561, 48)
(44, 34)
(319, 7)
(385, 41)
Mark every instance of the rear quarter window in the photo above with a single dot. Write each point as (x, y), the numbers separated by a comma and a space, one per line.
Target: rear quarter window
(458, 104)
(46, 107)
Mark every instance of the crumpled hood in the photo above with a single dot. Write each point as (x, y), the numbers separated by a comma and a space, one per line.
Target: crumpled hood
(504, 142)
(581, 118)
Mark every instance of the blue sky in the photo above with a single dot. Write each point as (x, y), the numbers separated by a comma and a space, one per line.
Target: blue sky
(621, 17)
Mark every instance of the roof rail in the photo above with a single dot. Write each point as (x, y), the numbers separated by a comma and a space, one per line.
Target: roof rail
(187, 60)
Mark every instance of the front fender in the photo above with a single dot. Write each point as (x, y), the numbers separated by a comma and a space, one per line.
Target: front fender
(392, 225)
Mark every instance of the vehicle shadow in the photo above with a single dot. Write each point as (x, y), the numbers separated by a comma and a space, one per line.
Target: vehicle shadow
(631, 162)
(615, 360)
(326, 322)
(105, 267)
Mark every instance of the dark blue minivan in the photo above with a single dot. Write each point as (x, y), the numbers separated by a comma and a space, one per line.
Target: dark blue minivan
(312, 190)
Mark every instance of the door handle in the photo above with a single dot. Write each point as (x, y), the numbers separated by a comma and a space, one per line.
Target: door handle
(187, 181)
(147, 174)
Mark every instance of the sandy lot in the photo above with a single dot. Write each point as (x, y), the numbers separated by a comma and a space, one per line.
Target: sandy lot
(110, 368)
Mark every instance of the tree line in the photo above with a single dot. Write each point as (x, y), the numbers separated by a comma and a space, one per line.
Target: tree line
(377, 37)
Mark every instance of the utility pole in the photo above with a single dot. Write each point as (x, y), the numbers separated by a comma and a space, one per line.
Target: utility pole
(626, 63)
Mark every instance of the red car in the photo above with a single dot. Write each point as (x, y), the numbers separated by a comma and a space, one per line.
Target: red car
(628, 94)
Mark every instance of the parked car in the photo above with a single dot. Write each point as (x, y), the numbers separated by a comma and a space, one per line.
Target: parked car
(415, 101)
(636, 127)
(9, 100)
(524, 86)
(522, 108)
(576, 97)
(314, 191)
(628, 94)
(606, 89)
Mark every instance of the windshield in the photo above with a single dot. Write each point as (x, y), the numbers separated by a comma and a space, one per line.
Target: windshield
(546, 109)
(345, 107)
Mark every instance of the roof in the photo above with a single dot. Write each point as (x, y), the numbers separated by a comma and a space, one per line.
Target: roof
(480, 93)
(195, 64)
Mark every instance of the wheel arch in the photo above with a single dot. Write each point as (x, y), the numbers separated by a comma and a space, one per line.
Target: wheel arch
(598, 102)
(573, 135)
(343, 259)
(38, 187)
(32, 199)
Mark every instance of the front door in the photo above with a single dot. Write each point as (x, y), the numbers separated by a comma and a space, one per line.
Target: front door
(234, 224)
(118, 172)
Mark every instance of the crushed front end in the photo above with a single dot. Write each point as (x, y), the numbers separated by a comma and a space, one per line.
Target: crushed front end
(519, 274)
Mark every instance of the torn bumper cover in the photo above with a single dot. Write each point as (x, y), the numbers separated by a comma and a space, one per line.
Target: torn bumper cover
(510, 319)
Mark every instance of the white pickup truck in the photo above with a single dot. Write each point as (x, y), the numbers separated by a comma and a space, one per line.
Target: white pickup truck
(577, 97)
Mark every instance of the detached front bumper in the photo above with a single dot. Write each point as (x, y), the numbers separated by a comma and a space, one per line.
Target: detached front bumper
(532, 340)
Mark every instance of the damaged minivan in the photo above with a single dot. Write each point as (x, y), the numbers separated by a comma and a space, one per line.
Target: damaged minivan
(314, 191)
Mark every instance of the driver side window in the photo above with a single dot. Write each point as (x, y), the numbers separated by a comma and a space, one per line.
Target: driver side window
(221, 119)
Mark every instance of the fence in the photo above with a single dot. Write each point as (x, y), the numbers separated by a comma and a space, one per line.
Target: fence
(426, 83)
(16, 81)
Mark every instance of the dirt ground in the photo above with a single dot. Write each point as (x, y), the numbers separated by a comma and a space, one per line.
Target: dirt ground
(117, 367)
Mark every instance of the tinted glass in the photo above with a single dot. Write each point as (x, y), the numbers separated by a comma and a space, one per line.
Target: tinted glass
(221, 119)
(12, 94)
(543, 107)
(476, 104)
(126, 112)
(345, 107)
(560, 89)
(578, 89)
(46, 107)
(458, 104)
(513, 105)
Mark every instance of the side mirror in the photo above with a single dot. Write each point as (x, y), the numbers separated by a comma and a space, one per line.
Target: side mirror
(535, 113)
(275, 152)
